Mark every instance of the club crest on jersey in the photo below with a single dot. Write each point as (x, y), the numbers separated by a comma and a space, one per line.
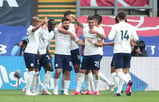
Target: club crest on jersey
(32, 64)
(56, 65)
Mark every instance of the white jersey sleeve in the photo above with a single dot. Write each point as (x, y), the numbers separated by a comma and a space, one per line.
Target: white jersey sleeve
(101, 30)
(134, 35)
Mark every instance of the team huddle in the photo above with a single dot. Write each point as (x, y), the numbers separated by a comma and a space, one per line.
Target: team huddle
(67, 55)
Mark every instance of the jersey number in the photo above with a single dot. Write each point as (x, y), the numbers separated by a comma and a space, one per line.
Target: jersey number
(124, 35)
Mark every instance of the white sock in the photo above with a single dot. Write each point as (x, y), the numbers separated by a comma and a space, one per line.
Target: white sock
(80, 81)
(62, 83)
(37, 79)
(87, 81)
(123, 77)
(77, 74)
(115, 79)
(66, 85)
(128, 76)
(91, 81)
(29, 80)
(56, 81)
(33, 85)
(47, 78)
(104, 78)
(96, 82)
(120, 86)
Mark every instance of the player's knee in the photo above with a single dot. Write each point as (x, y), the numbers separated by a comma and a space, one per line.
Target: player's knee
(58, 71)
(50, 68)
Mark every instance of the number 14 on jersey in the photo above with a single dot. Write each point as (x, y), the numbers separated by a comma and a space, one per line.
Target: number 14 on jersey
(124, 34)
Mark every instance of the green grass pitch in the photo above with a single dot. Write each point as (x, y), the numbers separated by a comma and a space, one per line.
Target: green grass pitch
(106, 96)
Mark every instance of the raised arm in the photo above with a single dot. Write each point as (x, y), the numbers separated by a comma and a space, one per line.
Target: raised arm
(77, 22)
(40, 24)
(47, 50)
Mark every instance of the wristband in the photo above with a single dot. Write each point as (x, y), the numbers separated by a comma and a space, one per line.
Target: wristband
(93, 42)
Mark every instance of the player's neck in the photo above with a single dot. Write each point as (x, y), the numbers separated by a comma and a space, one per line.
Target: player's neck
(122, 21)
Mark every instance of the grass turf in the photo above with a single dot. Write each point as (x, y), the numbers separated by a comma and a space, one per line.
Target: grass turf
(137, 96)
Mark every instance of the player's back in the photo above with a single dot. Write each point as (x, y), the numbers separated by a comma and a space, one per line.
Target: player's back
(122, 33)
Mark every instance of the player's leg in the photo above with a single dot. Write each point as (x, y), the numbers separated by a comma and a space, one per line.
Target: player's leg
(80, 81)
(95, 65)
(36, 79)
(67, 68)
(58, 68)
(66, 82)
(75, 57)
(119, 64)
(49, 70)
(89, 83)
(81, 77)
(30, 64)
(62, 83)
(126, 71)
(113, 73)
(106, 80)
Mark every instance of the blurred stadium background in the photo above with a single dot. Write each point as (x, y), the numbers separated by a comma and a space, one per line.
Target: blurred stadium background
(15, 17)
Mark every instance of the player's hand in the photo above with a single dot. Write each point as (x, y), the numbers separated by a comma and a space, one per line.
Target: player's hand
(44, 26)
(73, 16)
(92, 31)
(90, 40)
(132, 42)
(46, 19)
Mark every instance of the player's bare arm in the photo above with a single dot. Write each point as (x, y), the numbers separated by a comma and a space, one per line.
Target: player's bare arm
(99, 43)
(63, 31)
(36, 27)
(80, 42)
(108, 43)
(93, 31)
(47, 50)
(77, 22)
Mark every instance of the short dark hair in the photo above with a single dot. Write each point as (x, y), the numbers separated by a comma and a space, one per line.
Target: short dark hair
(67, 13)
(51, 21)
(116, 19)
(121, 15)
(90, 18)
(99, 18)
(25, 42)
(65, 19)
